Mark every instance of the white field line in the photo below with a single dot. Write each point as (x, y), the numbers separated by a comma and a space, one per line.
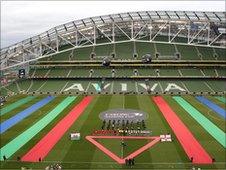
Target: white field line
(212, 115)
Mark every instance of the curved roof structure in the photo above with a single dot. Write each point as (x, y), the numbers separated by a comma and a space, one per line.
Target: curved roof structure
(199, 28)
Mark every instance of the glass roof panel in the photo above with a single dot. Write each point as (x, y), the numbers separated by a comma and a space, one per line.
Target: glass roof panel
(116, 17)
(152, 12)
(220, 14)
(161, 12)
(79, 23)
(106, 18)
(153, 15)
(210, 14)
(87, 20)
(124, 15)
(144, 16)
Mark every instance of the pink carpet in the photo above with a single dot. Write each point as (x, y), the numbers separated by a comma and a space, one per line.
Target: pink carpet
(187, 140)
(44, 146)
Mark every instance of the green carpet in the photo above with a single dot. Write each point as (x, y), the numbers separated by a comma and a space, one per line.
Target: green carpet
(14, 145)
(16, 104)
(211, 128)
(222, 99)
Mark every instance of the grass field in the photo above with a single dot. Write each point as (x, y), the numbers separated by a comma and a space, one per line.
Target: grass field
(84, 155)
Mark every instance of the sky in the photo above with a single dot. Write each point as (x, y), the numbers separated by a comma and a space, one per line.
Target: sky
(23, 19)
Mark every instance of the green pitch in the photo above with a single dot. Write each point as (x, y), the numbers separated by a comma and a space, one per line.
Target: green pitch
(83, 155)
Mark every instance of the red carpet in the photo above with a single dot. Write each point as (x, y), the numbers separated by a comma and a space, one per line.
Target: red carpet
(42, 148)
(185, 137)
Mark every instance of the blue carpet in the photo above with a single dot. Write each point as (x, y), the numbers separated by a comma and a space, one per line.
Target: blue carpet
(23, 114)
(212, 106)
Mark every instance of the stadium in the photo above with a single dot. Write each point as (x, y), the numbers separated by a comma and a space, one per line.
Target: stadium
(140, 90)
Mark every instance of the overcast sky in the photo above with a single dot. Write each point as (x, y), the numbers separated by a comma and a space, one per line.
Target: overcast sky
(24, 19)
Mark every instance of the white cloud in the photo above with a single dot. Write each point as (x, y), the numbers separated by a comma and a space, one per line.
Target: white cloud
(23, 19)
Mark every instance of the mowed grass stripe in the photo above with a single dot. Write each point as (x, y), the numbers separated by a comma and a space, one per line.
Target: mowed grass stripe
(16, 104)
(40, 135)
(212, 106)
(4, 126)
(45, 145)
(63, 146)
(116, 102)
(132, 102)
(221, 98)
(186, 138)
(211, 145)
(211, 128)
(21, 108)
(216, 101)
(83, 150)
(29, 121)
(158, 125)
(14, 145)
(13, 98)
(216, 119)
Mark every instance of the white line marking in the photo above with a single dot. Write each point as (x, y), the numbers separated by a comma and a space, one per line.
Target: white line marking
(64, 87)
(136, 87)
(209, 87)
(18, 87)
(185, 87)
(87, 87)
(209, 113)
(112, 87)
(41, 86)
(69, 72)
(30, 86)
(160, 86)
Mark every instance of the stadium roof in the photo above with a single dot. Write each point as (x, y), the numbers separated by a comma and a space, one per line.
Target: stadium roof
(80, 25)
(142, 15)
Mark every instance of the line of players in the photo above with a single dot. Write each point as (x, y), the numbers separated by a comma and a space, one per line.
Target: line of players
(123, 125)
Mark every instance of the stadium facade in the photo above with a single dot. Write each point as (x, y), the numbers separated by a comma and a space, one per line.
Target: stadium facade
(184, 46)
